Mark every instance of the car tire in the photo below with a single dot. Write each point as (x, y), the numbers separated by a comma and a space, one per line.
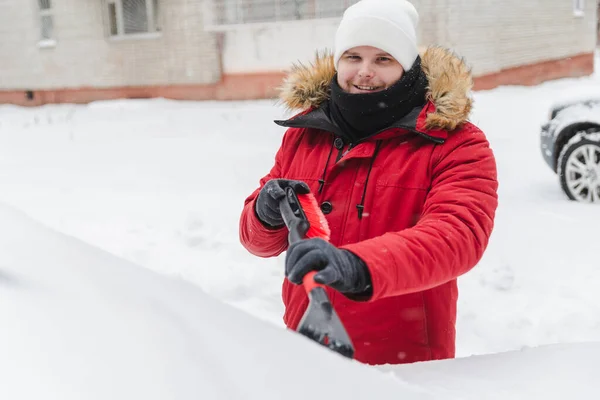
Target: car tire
(579, 167)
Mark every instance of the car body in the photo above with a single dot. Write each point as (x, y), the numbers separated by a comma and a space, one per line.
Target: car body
(570, 145)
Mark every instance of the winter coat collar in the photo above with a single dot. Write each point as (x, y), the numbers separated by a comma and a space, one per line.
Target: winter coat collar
(306, 88)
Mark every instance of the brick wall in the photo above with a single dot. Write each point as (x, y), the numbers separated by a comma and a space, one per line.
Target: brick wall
(84, 56)
(505, 41)
(498, 34)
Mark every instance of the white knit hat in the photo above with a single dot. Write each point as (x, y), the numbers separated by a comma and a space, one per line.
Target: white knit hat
(389, 25)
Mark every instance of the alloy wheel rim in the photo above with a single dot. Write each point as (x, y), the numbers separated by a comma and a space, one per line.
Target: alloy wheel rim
(582, 173)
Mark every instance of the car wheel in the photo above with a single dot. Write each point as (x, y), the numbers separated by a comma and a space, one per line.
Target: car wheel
(579, 167)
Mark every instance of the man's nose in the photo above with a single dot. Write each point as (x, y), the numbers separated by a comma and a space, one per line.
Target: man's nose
(366, 70)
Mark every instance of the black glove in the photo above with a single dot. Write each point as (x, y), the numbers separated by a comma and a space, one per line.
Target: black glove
(338, 268)
(267, 203)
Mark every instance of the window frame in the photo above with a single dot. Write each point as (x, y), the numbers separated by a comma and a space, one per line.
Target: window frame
(41, 14)
(579, 8)
(216, 23)
(154, 31)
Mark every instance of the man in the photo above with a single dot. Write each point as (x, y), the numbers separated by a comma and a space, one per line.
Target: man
(408, 186)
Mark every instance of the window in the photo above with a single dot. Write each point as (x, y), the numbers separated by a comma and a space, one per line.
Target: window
(231, 12)
(46, 21)
(579, 8)
(132, 17)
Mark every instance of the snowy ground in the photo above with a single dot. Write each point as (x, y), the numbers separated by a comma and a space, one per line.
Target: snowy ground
(161, 183)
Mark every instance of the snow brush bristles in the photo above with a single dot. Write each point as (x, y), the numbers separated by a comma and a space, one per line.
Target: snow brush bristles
(304, 220)
(318, 226)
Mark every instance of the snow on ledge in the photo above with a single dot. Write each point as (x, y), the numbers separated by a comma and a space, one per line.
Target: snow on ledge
(46, 43)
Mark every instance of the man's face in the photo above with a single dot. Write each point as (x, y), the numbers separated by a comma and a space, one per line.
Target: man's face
(367, 69)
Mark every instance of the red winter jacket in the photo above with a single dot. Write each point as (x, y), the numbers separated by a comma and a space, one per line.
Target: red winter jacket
(427, 189)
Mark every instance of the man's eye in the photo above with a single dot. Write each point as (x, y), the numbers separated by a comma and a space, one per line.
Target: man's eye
(385, 59)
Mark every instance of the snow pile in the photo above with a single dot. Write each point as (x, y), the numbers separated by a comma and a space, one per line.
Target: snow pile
(549, 373)
(79, 323)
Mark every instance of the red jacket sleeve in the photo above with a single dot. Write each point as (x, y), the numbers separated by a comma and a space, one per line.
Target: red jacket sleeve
(454, 228)
(254, 236)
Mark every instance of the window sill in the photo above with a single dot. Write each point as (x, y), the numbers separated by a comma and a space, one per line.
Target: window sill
(135, 36)
(579, 13)
(46, 44)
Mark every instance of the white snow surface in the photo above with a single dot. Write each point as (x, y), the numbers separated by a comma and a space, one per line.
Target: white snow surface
(80, 323)
(160, 184)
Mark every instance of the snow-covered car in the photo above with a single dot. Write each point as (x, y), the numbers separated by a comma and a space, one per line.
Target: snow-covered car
(77, 323)
(570, 144)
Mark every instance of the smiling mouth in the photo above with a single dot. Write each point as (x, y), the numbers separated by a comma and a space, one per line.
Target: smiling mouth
(367, 88)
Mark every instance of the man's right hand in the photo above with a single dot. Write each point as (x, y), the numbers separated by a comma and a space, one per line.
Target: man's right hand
(267, 203)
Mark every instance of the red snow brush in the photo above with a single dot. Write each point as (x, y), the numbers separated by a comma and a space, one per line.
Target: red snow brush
(320, 322)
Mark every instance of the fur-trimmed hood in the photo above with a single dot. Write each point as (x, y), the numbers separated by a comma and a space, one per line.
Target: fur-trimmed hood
(450, 84)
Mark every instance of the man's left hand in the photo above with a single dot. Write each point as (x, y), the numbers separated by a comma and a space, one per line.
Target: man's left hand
(338, 268)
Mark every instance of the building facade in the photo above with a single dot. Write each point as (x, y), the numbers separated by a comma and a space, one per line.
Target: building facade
(84, 50)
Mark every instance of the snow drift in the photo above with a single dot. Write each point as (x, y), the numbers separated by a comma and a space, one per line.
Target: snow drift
(79, 323)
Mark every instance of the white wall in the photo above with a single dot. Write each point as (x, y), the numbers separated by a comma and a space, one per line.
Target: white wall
(491, 34)
(499, 34)
(84, 55)
(275, 46)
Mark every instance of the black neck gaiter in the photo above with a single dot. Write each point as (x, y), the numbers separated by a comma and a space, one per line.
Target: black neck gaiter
(362, 115)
